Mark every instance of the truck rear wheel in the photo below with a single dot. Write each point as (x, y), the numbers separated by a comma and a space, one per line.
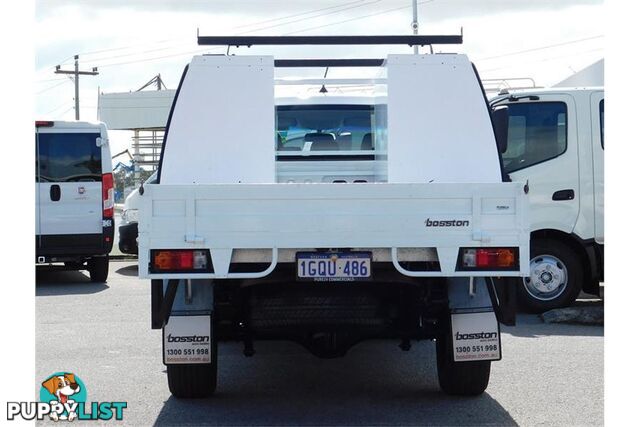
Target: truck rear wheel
(460, 378)
(556, 277)
(99, 268)
(194, 381)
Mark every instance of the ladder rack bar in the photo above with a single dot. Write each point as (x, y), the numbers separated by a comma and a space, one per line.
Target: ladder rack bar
(300, 63)
(411, 40)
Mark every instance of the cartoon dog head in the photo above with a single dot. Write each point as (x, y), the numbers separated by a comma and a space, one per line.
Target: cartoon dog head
(62, 386)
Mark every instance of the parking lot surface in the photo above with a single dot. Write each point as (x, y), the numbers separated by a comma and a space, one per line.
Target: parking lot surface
(551, 374)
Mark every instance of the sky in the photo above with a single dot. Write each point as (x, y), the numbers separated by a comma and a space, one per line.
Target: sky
(130, 41)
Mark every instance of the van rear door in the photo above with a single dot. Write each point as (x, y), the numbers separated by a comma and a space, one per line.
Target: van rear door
(69, 181)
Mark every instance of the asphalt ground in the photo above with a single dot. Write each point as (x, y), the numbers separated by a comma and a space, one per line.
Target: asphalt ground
(550, 374)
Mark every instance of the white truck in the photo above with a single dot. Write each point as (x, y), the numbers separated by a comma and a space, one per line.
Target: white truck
(556, 143)
(128, 230)
(328, 222)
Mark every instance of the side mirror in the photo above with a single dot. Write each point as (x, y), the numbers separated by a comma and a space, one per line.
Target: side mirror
(500, 118)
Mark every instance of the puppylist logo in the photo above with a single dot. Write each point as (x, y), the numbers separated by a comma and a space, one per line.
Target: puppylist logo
(63, 397)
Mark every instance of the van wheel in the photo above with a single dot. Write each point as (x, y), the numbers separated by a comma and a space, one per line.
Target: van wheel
(99, 268)
(459, 378)
(194, 381)
(556, 277)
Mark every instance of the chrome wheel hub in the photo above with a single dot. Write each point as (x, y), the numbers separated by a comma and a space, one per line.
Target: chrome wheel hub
(548, 278)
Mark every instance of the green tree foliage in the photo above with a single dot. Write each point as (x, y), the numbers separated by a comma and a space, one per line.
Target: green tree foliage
(123, 181)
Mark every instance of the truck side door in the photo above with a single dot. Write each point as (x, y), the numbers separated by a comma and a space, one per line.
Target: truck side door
(543, 150)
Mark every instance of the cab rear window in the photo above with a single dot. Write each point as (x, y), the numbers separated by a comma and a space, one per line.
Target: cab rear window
(341, 129)
(68, 157)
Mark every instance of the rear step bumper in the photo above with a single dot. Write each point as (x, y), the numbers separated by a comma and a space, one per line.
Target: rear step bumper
(57, 247)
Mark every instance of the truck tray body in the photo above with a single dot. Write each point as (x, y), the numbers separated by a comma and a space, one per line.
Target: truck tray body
(386, 217)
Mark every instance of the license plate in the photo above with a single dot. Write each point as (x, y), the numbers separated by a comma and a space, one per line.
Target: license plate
(333, 267)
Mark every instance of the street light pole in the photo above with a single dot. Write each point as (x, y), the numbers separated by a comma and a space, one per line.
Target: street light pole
(76, 81)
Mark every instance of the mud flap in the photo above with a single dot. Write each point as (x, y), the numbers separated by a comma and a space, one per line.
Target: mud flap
(179, 297)
(475, 331)
(475, 336)
(187, 340)
(183, 309)
(503, 298)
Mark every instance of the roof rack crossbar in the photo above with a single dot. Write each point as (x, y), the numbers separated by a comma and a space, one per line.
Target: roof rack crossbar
(354, 62)
(411, 40)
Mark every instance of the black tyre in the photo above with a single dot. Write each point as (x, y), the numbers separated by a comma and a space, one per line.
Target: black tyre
(194, 381)
(99, 268)
(459, 378)
(556, 277)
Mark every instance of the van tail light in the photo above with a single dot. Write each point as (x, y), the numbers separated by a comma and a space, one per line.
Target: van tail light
(180, 260)
(44, 123)
(488, 259)
(107, 195)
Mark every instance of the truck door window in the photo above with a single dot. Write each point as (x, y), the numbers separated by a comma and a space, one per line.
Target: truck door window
(537, 133)
(602, 123)
(68, 157)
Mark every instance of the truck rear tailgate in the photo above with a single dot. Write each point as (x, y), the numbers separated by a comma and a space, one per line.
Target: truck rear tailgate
(227, 217)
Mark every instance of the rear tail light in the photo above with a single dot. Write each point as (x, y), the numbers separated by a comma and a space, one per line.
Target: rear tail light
(107, 195)
(488, 259)
(180, 260)
(43, 124)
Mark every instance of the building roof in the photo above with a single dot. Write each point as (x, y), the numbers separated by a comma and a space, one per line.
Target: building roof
(593, 75)
(135, 110)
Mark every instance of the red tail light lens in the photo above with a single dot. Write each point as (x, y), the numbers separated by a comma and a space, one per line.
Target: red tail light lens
(43, 124)
(489, 258)
(107, 195)
(180, 260)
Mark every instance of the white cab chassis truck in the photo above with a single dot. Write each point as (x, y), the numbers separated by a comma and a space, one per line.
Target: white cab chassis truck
(331, 222)
(556, 143)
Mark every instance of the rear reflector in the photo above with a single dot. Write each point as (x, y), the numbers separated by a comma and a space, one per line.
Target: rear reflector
(488, 259)
(180, 260)
(107, 195)
(43, 124)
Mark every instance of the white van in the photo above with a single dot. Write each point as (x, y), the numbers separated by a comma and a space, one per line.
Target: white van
(556, 143)
(74, 196)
